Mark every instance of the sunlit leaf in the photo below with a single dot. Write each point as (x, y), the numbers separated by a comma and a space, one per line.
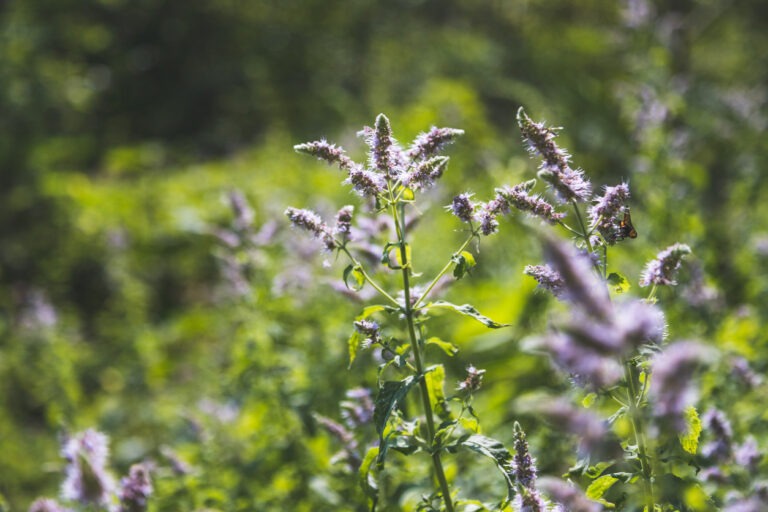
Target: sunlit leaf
(449, 348)
(496, 451)
(689, 439)
(354, 278)
(618, 282)
(469, 311)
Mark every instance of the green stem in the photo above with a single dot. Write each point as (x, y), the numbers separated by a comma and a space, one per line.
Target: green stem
(417, 355)
(368, 278)
(440, 274)
(642, 445)
(585, 234)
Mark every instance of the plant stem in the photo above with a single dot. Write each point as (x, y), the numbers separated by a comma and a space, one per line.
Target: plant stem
(585, 234)
(642, 449)
(408, 311)
(442, 273)
(368, 278)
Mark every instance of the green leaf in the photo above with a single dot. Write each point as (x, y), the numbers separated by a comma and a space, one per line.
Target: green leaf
(689, 439)
(467, 310)
(436, 384)
(369, 310)
(391, 394)
(408, 195)
(496, 451)
(386, 257)
(354, 345)
(366, 479)
(354, 274)
(449, 348)
(464, 263)
(599, 487)
(618, 282)
(588, 400)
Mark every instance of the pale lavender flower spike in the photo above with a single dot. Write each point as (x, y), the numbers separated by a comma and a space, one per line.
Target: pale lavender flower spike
(569, 184)
(87, 480)
(47, 505)
(462, 207)
(547, 277)
(426, 173)
(311, 222)
(519, 198)
(430, 143)
(662, 270)
(386, 157)
(327, 152)
(605, 214)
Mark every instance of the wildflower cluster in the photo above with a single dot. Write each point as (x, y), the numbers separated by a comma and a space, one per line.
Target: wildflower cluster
(88, 481)
(608, 347)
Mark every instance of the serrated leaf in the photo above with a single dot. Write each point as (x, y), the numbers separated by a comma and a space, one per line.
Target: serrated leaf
(467, 310)
(618, 282)
(496, 451)
(689, 439)
(449, 348)
(436, 384)
(391, 394)
(599, 487)
(354, 275)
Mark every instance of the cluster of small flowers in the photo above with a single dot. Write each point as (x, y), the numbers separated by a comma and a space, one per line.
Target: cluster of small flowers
(485, 214)
(569, 184)
(417, 167)
(661, 271)
(370, 330)
(311, 222)
(88, 481)
(473, 381)
(598, 333)
(605, 213)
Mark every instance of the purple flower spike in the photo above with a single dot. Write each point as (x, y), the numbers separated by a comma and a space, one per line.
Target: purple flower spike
(547, 277)
(569, 496)
(327, 152)
(426, 173)
(569, 184)
(462, 207)
(311, 222)
(343, 226)
(662, 270)
(366, 183)
(386, 157)
(519, 198)
(473, 381)
(430, 143)
(47, 505)
(581, 285)
(605, 214)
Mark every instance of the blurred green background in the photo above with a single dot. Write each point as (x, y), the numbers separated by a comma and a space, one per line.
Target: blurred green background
(124, 125)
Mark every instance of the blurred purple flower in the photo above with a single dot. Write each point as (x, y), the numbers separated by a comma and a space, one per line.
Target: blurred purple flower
(661, 271)
(87, 480)
(135, 489)
(47, 505)
(673, 369)
(718, 426)
(357, 410)
(548, 278)
(311, 222)
(567, 495)
(748, 454)
(343, 227)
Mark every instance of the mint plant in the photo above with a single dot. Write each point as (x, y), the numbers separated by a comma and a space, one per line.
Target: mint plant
(609, 346)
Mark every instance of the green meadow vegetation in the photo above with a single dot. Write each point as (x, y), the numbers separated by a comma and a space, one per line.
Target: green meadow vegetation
(153, 290)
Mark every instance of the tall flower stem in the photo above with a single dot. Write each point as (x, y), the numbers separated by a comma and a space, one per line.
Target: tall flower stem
(440, 274)
(408, 312)
(633, 400)
(585, 235)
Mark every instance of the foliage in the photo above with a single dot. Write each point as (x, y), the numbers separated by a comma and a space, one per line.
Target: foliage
(123, 303)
